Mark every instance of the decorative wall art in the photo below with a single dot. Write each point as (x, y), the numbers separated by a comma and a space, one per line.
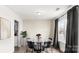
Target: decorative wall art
(5, 28)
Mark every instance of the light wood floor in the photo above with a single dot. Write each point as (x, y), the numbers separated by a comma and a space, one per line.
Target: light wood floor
(27, 50)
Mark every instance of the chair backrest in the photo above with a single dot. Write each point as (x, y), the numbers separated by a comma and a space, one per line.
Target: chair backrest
(37, 45)
(30, 44)
(47, 44)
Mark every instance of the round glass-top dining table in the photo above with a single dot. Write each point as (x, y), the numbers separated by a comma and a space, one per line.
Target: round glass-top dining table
(38, 46)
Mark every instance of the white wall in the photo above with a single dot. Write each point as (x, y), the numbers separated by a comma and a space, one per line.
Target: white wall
(7, 45)
(43, 27)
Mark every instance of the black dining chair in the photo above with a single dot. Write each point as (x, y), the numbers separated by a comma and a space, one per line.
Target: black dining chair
(38, 47)
(30, 45)
(47, 45)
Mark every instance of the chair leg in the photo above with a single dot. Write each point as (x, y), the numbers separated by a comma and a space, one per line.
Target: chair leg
(46, 50)
(32, 50)
(51, 49)
(27, 49)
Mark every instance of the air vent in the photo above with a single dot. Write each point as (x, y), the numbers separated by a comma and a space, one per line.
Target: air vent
(57, 9)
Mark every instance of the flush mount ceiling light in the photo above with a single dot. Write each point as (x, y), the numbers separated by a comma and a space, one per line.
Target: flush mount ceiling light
(38, 13)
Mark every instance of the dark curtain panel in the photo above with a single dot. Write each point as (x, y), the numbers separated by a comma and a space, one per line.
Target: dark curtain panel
(0, 29)
(55, 43)
(72, 30)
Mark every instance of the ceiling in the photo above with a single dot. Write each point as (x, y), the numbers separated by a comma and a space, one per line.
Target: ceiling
(39, 12)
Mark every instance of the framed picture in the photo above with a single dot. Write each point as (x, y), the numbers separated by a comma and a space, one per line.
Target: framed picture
(5, 28)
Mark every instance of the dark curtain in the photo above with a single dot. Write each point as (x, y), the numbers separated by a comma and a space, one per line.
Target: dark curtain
(55, 43)
(72, 31)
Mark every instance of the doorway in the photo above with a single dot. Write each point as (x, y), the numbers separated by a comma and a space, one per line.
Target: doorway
(16, 23)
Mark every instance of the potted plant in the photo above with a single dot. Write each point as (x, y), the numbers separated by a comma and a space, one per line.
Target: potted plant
(24, 35)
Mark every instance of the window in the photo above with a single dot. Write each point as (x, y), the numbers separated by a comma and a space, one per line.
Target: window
(62, 24)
